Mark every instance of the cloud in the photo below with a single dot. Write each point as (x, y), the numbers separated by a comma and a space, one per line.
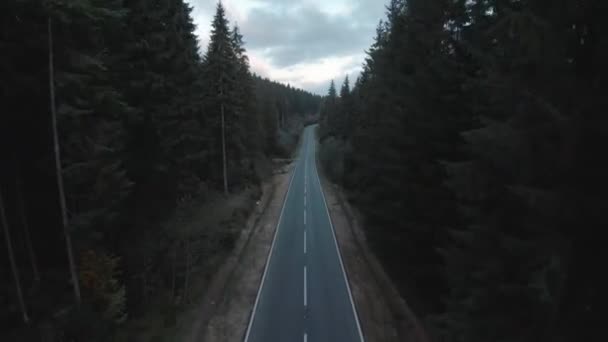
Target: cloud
(302, 35)
(314, 76)
(302, 42)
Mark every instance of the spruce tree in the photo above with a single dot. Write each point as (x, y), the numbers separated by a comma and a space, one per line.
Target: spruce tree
(133, 110)
(331, 93)
(246, 125)
(220, 72)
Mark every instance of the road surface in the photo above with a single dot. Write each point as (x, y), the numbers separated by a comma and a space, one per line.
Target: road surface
(304, 294)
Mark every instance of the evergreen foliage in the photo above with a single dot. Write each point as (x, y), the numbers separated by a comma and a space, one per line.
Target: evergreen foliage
(472, 151)
(138, 122)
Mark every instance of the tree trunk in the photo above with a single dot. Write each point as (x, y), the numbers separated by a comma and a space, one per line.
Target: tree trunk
(11, 256)
(26, 230)
(187, 275)
(144, 280)
(224, 151)
(284, 114)
(62, 203)
(173, 272)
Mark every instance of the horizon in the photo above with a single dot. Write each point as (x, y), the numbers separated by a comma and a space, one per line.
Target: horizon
(319, 41)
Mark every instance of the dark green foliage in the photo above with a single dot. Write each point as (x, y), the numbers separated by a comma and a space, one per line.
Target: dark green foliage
(404, 126)
(221, 67)
(280, 111)
(473, 152)
(89, 114)
(138, 121)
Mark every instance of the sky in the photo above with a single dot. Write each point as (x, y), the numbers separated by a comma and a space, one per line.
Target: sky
(305, 43)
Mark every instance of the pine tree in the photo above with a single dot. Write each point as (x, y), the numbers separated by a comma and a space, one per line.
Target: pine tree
(345, 110)
(406, 122)
(331, 93)
(88, 129)
(328, 111)
(247, 126)
(345, 90)
(135, 120)
(516, 216)
(182, 127)
(58, 169)
(221, 67)
(271, 101)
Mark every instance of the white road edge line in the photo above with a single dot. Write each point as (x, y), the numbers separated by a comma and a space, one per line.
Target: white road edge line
(305, 290)
(274, 239)
(350, 295)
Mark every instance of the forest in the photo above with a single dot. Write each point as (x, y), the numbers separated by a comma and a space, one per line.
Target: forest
(472, 145)
(116, 124)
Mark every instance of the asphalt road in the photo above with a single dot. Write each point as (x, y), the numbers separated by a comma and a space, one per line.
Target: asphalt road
(304, 294)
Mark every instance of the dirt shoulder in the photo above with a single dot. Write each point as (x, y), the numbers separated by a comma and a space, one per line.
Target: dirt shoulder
(383, 314)
(224, 311)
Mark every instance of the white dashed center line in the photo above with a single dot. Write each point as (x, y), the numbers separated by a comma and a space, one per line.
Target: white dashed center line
(304, 242)
(305, 290)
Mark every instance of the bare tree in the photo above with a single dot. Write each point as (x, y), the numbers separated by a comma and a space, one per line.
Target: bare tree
(11, 256)
(225, 171)
(224, 166)
(26, 229)
(188, 270)
(62, 202)
(173, 270)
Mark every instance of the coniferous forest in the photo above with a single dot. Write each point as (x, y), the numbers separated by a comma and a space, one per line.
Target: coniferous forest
(473, 143)
(114, 122)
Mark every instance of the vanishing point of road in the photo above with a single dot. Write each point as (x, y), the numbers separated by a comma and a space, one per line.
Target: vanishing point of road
(304, 293)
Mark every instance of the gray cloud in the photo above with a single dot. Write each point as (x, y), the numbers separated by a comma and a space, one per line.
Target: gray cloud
(291, 35)
(284, 34)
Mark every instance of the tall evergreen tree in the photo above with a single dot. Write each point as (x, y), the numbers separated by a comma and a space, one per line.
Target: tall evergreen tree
(465, 144)
(221, 66)
(331, 93)
(345, 90)
(328, 110)
(85, 119)
(136, 119)
(345, 110)
(247, 126)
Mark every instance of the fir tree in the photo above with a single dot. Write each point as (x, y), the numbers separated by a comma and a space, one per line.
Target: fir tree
(220, 70)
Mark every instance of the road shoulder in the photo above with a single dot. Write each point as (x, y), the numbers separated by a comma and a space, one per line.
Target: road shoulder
(225, 310)
(383, 314)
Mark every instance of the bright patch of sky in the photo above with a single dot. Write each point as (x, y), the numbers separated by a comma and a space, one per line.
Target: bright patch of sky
(305, 43)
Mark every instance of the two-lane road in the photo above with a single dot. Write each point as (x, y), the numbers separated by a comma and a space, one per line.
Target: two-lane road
(304, 294)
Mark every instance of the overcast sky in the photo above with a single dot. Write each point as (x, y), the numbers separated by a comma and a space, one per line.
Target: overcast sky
(302, 42)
